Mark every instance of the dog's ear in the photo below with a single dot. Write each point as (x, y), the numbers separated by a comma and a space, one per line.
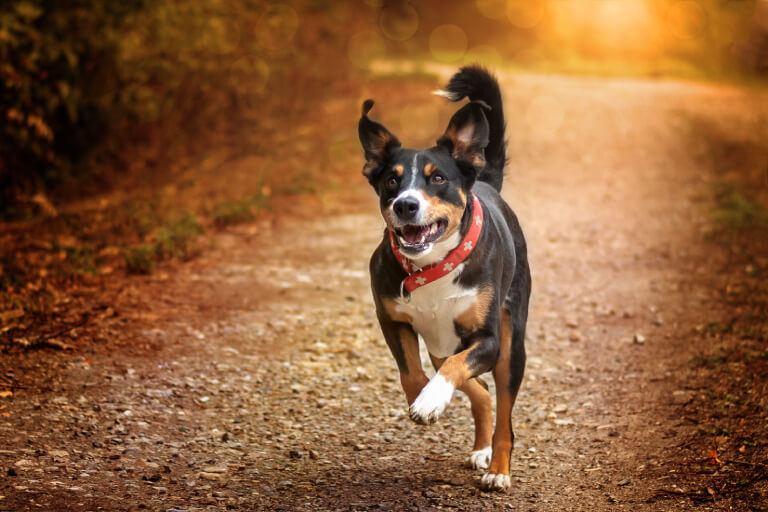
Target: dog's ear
(467, 134)
(376, 140)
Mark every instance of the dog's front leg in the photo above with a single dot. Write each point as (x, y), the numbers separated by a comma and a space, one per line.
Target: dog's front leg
(404, 345)
(454, 372)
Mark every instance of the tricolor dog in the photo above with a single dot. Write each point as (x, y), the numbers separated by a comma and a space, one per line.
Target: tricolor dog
(452, 266)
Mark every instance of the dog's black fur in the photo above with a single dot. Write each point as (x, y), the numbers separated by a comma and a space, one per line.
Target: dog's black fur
(469, 158)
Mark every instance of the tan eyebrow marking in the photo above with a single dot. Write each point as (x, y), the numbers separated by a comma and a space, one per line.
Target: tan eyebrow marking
(399, 169)
(429, 169)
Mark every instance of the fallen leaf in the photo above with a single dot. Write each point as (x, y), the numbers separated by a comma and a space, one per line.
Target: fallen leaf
(6, 394)
(712, 457)
(55, 343)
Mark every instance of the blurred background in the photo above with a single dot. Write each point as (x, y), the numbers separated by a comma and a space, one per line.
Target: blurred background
(90, 89)
(129, 128)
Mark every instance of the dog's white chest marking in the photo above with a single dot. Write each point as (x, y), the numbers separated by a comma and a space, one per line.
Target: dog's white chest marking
(434, 307)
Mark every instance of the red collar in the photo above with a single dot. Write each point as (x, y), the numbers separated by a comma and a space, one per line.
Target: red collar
(435, 271)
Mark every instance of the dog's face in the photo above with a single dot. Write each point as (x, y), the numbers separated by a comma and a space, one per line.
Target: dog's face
(423, 193)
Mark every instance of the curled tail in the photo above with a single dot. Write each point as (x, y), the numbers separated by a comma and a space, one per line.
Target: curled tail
(476, 83)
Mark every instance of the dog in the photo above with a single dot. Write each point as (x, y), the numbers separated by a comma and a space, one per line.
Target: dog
(452, 266)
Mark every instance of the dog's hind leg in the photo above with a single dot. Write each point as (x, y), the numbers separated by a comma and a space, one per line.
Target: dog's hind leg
(508, 375)
(482, 413)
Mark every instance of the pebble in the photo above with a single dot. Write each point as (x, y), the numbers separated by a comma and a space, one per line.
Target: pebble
(210, 476)
(681, 396)
(638, 339)
(215, 469)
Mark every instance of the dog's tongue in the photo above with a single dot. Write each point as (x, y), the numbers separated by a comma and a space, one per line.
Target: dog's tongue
(414, 234)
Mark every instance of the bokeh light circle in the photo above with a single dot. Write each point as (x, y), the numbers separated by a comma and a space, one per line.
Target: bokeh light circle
(364, 47)
(492, 9)
(399, 22)
(525, 13)
(448, 43)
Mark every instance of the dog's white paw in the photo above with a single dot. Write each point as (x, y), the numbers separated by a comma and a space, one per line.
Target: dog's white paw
(432, 400)
(480, 459)
(492, 482)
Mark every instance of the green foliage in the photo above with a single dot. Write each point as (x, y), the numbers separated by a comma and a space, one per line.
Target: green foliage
(82, 259)
(737, 211)
(173, 239)
(141, 259)
(87, 84)
(228, 213)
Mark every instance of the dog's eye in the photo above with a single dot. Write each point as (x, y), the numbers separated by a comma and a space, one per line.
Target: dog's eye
(392, 182)
(437, 178)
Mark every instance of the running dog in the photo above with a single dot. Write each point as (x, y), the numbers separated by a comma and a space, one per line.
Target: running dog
(452, 266)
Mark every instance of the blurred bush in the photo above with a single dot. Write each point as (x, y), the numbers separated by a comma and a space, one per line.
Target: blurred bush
(58, 75)
(88, 87)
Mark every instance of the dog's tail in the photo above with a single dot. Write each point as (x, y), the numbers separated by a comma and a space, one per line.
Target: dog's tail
(477, 83)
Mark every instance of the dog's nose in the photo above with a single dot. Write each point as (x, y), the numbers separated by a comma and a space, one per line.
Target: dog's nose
(406, 208)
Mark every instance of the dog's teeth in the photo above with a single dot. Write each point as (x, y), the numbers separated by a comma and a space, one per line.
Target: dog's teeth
(423, 239)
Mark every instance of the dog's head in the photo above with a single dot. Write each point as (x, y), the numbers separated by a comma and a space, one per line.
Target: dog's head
(423, 193)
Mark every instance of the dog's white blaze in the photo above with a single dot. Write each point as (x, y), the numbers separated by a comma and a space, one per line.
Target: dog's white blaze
(423, 206)
(433, 399)
(433, 307)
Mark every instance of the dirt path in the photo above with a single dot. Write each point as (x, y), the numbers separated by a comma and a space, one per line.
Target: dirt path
(269, 386)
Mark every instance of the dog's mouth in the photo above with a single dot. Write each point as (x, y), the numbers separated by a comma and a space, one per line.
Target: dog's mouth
(416, 237)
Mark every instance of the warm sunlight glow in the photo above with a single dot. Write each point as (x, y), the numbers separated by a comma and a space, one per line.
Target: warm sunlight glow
(626, 25)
